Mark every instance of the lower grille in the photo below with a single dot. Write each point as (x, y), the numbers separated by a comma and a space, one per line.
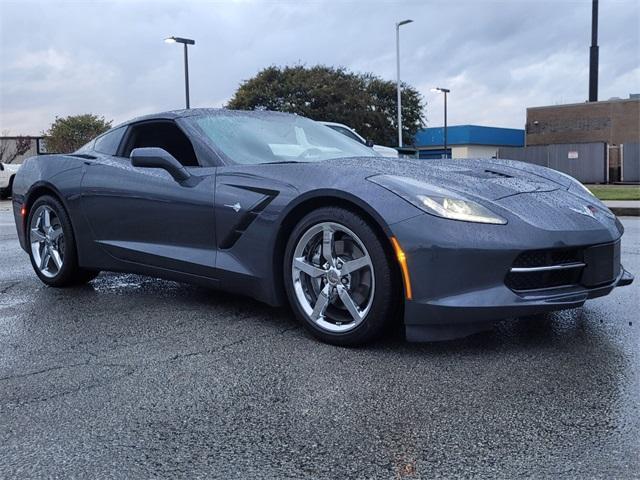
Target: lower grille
(539, 280)
(586, 266)
(544, 258)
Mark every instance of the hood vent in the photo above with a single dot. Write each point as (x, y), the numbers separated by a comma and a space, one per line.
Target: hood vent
(484, 173)
(498, 174)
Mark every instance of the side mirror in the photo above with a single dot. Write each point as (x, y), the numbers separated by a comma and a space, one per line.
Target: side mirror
(370, 143)
(153, 157)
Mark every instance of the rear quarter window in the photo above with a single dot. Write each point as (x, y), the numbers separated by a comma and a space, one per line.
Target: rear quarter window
(109, 142)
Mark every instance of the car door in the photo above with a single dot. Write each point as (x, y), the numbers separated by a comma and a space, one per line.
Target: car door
(142, 216)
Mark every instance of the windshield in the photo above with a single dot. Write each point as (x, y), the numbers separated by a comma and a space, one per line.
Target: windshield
(250, 138)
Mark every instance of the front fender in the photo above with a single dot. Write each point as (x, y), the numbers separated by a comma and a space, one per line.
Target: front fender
(57, 175)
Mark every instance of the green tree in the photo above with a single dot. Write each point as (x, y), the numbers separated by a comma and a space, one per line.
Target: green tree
(362, 101)
(66, 135)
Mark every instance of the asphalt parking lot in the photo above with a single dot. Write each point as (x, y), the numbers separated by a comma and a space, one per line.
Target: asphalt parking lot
(136, 377)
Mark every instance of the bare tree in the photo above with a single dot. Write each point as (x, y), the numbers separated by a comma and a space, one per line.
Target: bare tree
(4, 146)
(22, 146)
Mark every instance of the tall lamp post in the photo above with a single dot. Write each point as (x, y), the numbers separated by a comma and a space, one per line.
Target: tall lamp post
(185, 42)
(445, 91)
(398, 25)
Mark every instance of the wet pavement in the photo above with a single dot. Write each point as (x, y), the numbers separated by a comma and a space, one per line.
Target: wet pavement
(136, 377)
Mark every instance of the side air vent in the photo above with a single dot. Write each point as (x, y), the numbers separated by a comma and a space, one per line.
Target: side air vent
(242, 219)
(246, 220)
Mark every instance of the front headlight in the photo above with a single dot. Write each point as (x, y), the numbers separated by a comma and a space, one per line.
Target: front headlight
(437, 201)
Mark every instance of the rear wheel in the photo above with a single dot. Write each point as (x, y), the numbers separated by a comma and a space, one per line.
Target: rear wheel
(338, 278)
(52, 247)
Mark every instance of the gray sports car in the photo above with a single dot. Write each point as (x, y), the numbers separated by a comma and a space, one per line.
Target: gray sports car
(281, 208)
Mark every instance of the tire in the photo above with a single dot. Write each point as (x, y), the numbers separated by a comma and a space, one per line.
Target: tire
(52, 247)
(324, 284)
(6, 192)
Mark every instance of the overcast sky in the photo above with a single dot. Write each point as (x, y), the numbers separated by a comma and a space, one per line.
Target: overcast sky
(60, 58)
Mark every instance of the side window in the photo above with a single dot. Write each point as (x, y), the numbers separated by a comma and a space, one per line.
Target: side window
(162, 134)
(109, 142)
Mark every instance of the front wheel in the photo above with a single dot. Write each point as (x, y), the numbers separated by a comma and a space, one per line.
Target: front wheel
(52, 247)
(338, 277)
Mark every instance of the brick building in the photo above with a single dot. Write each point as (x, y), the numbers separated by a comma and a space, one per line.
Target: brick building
(614, 122)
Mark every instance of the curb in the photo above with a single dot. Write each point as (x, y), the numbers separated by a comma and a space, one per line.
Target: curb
(625, 211)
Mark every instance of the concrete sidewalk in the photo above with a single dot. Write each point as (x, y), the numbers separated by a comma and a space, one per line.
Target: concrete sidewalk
(624, 207)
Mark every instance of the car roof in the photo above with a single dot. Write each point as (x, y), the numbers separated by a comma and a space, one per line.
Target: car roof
(196, 112)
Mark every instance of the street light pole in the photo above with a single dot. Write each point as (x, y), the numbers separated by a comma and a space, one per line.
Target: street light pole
(446, 154)
(186, 76)
(398, 25)
(185, 42)
(445, 91)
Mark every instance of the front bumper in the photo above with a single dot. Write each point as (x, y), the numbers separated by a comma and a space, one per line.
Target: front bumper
(457, 272)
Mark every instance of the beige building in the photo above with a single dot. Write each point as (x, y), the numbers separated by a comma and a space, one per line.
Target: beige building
(466, 141)
(614, 122)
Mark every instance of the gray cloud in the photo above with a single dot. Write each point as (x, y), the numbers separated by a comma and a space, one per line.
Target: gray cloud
(497, 57)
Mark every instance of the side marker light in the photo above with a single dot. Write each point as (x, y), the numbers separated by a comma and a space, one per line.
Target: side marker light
(402, 260)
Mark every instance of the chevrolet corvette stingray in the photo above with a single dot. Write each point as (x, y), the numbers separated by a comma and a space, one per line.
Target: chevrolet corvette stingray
(283, 209)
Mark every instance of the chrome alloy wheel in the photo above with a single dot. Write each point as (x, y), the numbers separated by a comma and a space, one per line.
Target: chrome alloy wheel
(47, 241)
(333, 277)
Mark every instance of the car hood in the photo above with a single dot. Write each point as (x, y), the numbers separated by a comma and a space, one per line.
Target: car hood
(490, 179)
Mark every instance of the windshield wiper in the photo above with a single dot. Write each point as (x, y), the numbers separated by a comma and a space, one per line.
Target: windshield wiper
(281, 162)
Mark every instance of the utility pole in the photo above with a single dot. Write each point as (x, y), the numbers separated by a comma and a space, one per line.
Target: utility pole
(593, 54)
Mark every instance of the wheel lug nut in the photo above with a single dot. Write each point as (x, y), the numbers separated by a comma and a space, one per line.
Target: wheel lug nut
(345, 281)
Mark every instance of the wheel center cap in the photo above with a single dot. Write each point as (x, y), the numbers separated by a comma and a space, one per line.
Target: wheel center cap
(333, 276)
